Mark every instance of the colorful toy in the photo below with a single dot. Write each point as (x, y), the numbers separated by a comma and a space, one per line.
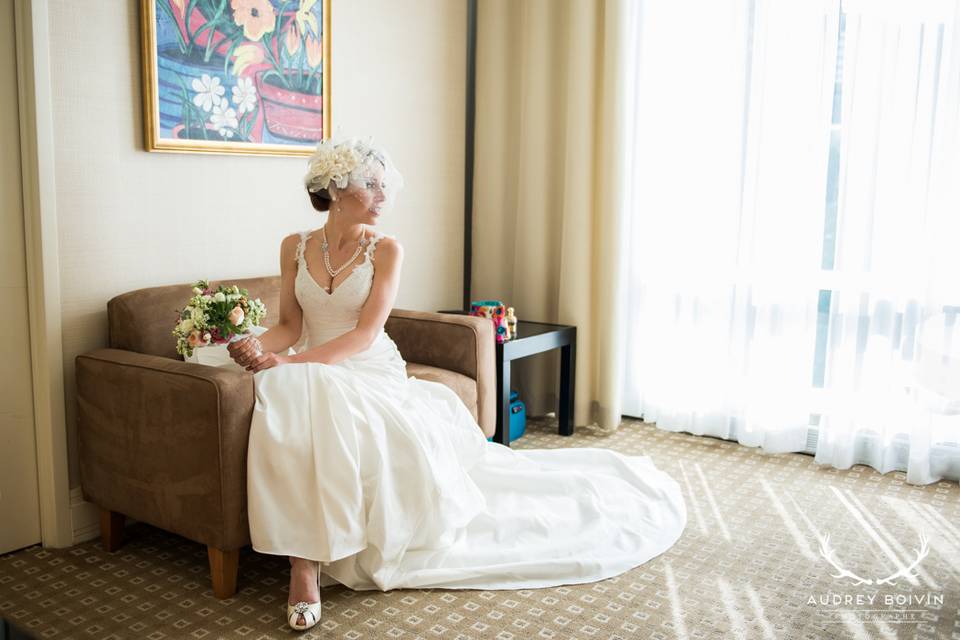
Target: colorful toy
(497, 312)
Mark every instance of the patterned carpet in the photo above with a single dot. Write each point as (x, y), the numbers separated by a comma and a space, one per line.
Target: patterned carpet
(748, 566)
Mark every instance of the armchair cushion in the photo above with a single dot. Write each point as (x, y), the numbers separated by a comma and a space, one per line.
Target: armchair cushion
(464, 387)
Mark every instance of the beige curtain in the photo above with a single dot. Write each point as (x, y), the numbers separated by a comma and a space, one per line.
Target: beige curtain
(550, 188)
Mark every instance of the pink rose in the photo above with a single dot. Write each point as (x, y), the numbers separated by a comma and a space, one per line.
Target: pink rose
(236, 316)
(196, 340)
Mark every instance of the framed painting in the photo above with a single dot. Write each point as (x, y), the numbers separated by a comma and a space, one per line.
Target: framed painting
(236, 76)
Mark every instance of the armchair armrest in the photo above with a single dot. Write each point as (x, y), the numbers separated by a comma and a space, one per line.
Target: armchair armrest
(461, 343)
(165, 441)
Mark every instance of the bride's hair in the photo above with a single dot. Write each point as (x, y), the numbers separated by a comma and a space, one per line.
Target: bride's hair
(320, 199)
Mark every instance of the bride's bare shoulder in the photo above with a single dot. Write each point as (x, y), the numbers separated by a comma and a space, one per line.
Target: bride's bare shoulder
(291, 240)
(389, 248)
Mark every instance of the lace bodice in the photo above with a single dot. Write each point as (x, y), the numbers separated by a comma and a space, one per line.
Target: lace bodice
(328, 315)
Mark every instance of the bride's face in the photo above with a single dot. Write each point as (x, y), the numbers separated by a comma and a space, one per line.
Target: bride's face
(363, 203)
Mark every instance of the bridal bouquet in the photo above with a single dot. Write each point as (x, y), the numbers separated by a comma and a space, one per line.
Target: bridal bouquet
(216, 317)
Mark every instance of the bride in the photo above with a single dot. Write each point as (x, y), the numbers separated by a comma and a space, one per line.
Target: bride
(373, 480)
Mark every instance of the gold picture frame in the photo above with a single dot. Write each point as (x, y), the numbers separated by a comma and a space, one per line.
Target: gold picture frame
(235, 76)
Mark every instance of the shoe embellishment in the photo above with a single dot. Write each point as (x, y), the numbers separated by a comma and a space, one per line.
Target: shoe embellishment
(301, 607)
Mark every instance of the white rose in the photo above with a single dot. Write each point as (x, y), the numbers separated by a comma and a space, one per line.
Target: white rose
(186, 326)
(219, 297)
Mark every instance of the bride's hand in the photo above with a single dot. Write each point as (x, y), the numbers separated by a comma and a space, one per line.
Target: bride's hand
(245, 351)
(267, 361)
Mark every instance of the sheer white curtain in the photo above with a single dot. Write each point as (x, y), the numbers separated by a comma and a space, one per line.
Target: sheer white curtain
(795, 217)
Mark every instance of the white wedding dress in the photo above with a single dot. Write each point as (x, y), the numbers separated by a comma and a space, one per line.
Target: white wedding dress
(390, 482)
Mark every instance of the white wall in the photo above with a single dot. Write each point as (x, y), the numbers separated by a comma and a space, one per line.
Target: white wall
(130, 219)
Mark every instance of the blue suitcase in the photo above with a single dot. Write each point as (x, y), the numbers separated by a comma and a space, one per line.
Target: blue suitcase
(518, 417)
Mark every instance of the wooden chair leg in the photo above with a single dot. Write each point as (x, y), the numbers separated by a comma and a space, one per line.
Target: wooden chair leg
(111, 529)
(223, 571)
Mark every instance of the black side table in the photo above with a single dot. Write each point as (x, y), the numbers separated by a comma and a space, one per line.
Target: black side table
(533, 338)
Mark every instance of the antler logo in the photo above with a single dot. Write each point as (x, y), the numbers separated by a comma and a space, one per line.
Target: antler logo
(829, 555)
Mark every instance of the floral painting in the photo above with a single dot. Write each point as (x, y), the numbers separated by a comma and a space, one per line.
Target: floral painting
(236, 76)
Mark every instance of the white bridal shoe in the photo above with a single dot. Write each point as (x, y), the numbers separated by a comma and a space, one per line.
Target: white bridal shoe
(309, 610)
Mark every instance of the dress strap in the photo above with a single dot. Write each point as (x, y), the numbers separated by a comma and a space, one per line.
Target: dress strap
(372, 245)
(301, 246)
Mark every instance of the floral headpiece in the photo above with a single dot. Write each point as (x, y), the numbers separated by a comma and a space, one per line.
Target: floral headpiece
(352, 161)
(336, 163)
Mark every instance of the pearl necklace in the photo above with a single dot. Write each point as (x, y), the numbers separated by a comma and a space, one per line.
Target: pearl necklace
(325, 247)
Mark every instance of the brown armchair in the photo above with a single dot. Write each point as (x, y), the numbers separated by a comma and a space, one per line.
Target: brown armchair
(165, 441)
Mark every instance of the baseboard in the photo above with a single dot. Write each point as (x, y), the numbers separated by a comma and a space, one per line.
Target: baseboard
(85, 517)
